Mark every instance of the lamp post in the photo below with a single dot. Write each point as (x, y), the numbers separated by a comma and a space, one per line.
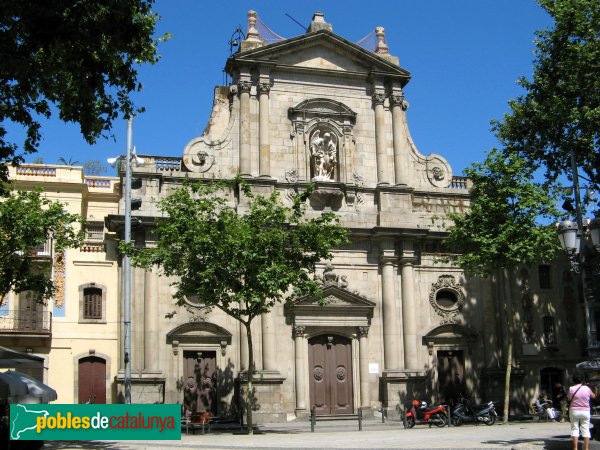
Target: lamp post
(130, 158)
(576, 243)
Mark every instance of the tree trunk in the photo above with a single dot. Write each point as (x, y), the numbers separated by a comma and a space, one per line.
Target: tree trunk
(507, 379)
(250, 376)
(509, 342)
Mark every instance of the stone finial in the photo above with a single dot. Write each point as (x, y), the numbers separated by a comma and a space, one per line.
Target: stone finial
(382, 48)
(318, 23)
(252, 35)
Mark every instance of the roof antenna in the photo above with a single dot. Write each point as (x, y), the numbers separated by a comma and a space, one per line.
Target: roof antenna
(303, 27)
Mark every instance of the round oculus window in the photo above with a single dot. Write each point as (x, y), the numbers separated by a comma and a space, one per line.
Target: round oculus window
(446, 299)
(194, 300)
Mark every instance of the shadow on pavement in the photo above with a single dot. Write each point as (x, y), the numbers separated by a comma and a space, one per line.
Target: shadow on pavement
(559, 442)
(60, 445)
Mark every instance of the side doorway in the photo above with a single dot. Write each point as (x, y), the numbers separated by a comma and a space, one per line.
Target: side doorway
(92, 380)
(330, 365)
(451, 375)
(199, 390)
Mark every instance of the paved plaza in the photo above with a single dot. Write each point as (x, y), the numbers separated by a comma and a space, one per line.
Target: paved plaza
(518, 436)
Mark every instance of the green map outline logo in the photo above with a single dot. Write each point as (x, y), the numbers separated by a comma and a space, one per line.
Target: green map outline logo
(95, 422)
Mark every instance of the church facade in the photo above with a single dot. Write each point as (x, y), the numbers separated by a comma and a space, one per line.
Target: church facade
(399, 323)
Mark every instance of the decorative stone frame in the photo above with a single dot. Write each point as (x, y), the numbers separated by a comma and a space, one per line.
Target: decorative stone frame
(108, 380)
(328, 115)
(447, 283)
(81, 289)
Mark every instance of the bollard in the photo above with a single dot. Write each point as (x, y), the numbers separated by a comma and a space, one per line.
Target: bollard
(359, 419)
(312, 419)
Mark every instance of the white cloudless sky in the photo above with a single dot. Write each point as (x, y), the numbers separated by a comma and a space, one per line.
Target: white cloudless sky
(464, 56)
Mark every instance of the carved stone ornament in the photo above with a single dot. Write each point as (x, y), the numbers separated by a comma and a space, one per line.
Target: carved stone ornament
(244, 87)
(398, 100)
(198, 313)
(329, 277)
(264, 88)
(299, 330)
(291, 176)
(439, 173)
(363, 332)
(59, 278)
(378, 98)
(447, 298)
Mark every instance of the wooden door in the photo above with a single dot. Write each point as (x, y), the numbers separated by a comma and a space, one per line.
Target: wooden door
(330, 363)
(30, 312)
(92, 380)
(199, 393)
(451, 375)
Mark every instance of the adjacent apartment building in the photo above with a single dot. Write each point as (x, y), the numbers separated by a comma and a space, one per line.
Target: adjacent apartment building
(76, 332)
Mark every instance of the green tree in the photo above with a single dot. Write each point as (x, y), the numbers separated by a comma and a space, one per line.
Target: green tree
(93, 167)
(560, 110)
(82, 57)
(504, 228)
(39, 220)
(241, 263)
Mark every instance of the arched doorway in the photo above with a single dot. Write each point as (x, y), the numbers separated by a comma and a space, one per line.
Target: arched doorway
(330, 374)
(92, 380)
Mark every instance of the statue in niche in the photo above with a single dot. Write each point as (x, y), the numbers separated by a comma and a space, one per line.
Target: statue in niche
(323, 152)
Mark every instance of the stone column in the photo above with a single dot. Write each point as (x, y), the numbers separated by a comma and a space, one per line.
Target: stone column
(243, 348)
(151, 345)
(245, 149)
(363, 359)
(300, 372)
(390, 315)
(268, 342)
(264, 145)
(380, 147)
(399, 105)
(408, 315)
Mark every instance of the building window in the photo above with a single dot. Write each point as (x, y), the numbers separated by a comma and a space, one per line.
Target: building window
(544, 277)
(94, 232)
(549, 331)
(92, 303)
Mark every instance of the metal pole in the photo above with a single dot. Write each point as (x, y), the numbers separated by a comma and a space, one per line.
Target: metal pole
(127, 266)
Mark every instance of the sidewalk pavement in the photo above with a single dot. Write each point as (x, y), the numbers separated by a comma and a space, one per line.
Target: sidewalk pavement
(345, 435)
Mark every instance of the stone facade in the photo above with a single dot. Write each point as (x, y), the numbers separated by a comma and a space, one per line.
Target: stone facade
(320, 108)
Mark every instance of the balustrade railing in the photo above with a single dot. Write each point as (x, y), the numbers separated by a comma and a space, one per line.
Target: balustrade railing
(17, 321)
(459, 183)
(102, 183)
(36, 171)
(171, 164)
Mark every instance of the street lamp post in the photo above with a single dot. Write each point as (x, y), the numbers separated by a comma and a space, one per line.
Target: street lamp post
(130, 158)
(575, 242)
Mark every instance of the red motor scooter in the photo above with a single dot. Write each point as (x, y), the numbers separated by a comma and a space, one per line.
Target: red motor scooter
(422, 414)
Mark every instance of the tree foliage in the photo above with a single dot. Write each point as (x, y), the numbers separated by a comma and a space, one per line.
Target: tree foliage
(39, 220)
(81, 57)
(242, 263)
(504, 224)
(560, 110)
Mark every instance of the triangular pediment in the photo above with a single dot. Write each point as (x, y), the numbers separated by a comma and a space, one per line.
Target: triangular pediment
(322, 50)
(334, 297)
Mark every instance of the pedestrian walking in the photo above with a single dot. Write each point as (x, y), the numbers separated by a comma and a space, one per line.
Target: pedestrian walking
(579, 411)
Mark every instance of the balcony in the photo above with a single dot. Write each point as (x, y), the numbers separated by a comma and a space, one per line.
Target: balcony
(25, 323)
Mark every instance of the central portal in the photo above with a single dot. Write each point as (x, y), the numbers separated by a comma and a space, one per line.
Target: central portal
(330, 365)
(199, 381)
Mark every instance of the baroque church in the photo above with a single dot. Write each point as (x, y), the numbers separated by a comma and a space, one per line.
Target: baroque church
(398, 322)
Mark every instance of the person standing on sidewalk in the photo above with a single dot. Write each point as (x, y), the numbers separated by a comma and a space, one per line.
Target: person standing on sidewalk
(579, 411)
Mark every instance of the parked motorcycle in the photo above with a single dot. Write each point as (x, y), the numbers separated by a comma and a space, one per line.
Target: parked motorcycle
(463, 412)
(422, 414)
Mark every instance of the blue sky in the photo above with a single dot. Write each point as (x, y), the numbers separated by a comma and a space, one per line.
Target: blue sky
(464, 56)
